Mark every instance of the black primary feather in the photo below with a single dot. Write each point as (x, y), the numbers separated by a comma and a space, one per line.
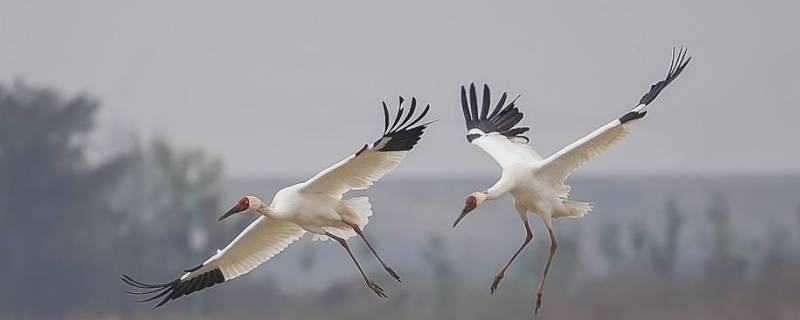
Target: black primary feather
(175, 289)
(410, 111)
(402, 135)
(679, 62)
(473, 101)
(676, 66)
(465, 107)
(501, 120)
(630, 116)
(385, 117)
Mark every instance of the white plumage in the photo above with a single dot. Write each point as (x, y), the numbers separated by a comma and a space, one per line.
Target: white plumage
(538, 185)
(260, 241)
(314, 206)
(355, 172)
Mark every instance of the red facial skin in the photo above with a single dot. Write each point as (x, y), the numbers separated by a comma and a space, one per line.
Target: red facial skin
(243, 204)
(470, 205)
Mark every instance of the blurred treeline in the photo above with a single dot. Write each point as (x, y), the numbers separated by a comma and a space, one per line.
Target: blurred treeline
(70, 224)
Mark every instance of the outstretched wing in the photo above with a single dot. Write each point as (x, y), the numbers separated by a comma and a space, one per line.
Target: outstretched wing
(495, 133)
(375, 160)
(260, 241)
(575, 155)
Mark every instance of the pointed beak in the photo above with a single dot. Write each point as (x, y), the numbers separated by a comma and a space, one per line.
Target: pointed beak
(467, 209)
(461, 216)
(230, 212)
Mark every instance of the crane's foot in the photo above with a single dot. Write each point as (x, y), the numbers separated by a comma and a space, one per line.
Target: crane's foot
(375, 287)
(496, 282)
(393, 274)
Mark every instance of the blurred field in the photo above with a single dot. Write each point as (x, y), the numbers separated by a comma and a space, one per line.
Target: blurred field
(732, 255)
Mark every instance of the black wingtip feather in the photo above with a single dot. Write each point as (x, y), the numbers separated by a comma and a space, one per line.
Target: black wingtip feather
(410, 112)
(362, 150)
(633, 115)
(487, 97)
(500, 105)
(174, 289)
(424, 112)
(403, 136)
(399, 115)
(678, 63)
(385, 117)
(501, 120)
(473, 101)
(465, 106)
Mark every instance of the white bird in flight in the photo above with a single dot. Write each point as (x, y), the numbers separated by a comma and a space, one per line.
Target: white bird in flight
(538, 184)
(314, 206)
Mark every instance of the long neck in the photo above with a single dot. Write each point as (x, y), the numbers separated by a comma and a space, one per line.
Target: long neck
(266, 211)
(499, 189)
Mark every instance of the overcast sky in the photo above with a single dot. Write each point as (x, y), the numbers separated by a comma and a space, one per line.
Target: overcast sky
(291, 87)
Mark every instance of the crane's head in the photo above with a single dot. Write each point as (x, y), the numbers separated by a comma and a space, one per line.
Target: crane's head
(246, 204)
(473, 201)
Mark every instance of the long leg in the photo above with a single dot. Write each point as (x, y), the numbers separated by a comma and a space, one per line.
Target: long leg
(523, 214)
(371, 284)
(553, 247)
(369, 245)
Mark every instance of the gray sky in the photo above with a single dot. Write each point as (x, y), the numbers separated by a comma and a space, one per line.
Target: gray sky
(291, 87)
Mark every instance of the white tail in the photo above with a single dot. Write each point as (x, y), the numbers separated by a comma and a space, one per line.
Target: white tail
(575, 209)
(356, 211)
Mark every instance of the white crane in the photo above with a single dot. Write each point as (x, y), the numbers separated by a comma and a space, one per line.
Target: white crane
(538, 184)
(314, 206)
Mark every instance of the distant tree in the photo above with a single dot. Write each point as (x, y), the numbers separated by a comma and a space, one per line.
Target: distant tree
(664, 257)
(638, 239)
(609, 243)
(171, 195)
(53, 201)
(308, 259)
(777, 256)
(444, 277)
(797, 250)
(723, 263)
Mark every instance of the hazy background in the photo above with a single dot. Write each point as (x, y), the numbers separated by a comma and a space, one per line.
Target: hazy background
(282, 74)
(127, 128)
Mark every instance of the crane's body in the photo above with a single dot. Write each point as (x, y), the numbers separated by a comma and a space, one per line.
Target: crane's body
(312, 211)
(317, 206)
(318, 213)
(538, 184)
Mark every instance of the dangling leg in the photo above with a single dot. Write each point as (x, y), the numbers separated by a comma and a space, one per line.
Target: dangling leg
(372, 285)
(523, 214)
(369, 245)
(553, 247)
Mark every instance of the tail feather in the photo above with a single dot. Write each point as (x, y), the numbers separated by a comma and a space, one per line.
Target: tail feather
(359, 211)
(356, 211)
(575, 209)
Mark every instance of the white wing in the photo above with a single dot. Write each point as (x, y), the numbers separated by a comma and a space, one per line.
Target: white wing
(505, 151)
(372, 162)
(495, 132)
(260, 241)
(559, 165)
